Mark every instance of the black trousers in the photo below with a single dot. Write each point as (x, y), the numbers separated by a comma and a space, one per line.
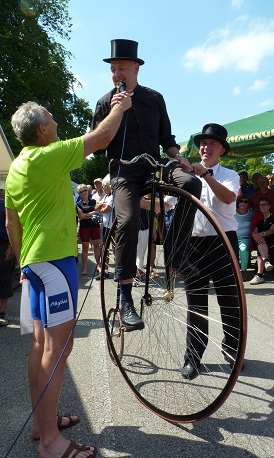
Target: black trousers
(209, 258)
(6, 271)
(127, 208)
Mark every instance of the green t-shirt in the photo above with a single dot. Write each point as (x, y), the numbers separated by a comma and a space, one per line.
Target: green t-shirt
(39, 188)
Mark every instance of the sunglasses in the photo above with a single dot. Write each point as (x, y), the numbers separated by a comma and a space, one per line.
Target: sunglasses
(242, 201)
(83, 190)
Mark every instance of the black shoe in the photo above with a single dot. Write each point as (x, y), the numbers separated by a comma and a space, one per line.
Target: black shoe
(130, 318)
(230, 359)
(189, 371)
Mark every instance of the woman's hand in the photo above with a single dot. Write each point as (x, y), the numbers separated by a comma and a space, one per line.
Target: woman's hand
(258, 237)
(81, 215)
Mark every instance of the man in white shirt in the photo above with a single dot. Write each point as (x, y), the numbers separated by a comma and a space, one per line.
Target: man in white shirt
(99, 194)
(219, 191)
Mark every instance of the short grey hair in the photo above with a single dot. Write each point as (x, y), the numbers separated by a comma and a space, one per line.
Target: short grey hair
(26, 120)
(106, 180)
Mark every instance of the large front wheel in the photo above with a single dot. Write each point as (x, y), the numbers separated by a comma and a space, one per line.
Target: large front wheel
(203, 312)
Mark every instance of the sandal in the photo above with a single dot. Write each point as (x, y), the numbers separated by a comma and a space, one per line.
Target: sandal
(70, 424)
(140, 275)
(78, 448)
(84, 272)
(59, 423)
(153, 274)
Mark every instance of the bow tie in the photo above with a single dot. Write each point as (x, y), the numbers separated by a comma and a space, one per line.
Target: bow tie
(210, 171)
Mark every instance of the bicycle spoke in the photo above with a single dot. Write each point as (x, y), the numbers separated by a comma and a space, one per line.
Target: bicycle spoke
(153, 358)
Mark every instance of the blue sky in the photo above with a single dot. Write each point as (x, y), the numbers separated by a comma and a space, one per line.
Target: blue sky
(213, 60)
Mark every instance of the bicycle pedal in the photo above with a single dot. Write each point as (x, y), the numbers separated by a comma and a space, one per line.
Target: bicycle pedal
(118, 333)
(138, 282)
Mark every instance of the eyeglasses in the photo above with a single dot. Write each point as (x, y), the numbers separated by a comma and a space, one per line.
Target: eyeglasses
(83, 190)
(264, 203)
(242, 201)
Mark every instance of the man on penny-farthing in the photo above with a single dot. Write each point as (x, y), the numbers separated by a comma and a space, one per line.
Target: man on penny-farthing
(145, 127)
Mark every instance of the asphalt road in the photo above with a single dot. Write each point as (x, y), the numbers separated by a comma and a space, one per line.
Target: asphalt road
(114, 420)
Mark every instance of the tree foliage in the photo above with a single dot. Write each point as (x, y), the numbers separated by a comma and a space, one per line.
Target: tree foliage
(95, 167)
(33, 66)
(264, 165)
(259, 164)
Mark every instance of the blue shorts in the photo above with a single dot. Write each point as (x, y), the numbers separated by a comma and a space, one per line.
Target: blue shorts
(53, 291)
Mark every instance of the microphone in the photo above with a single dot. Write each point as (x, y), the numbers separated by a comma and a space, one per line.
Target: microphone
(122, 86)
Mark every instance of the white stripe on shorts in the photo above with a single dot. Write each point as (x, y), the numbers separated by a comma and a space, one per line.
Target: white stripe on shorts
(58, 305)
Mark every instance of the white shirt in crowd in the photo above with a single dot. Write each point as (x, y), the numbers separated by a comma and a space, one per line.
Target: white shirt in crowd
(107, 217)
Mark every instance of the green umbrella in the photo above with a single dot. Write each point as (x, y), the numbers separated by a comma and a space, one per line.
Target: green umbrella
(249, 137)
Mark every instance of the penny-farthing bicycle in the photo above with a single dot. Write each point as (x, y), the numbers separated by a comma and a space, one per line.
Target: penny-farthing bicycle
(151, 360)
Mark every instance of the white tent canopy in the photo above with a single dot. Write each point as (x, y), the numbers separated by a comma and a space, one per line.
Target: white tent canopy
(6, 157)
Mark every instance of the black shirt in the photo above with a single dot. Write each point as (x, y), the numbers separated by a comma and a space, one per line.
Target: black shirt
(3, 233)
(147, 125)
(86, 208)
(264, 226)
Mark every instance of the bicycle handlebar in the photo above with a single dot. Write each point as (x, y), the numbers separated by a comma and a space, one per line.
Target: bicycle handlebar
(145, 156)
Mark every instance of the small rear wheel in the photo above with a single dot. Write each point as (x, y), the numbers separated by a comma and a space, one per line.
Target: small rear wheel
(116, 333)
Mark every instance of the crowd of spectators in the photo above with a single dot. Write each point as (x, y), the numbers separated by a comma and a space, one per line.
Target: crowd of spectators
(254, 196)
(94, 218)
(254, 215)
(254, 210)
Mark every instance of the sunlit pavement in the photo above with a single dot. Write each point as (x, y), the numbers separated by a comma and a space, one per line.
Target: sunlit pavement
(113, 419)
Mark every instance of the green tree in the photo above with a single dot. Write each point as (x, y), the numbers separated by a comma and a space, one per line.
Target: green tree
(95, 167)
(250, 165)
(33, 66)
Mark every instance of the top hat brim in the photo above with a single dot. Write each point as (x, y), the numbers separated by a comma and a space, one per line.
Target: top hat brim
(197, 139)
(139, 61)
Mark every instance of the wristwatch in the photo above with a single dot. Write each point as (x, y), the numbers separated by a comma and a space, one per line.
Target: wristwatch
(177, 155)
(204, 174)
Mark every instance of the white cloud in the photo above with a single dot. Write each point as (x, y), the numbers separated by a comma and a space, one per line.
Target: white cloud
(259, 85)
(266, 103)
(236, 3)
(236, 90)
(234, 49)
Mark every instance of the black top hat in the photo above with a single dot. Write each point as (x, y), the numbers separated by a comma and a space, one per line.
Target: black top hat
(216, 132)
(124, 50)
